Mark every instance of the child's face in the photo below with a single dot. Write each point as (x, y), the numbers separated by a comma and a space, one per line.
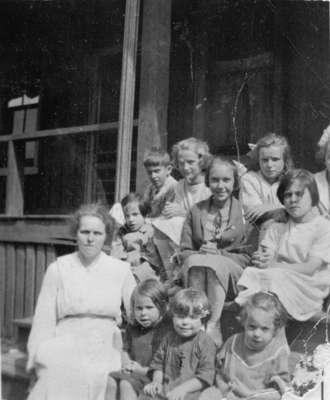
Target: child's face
(145, 311)
(133, 217)
(158, 174)
(271, 162)
(298, 202)
(189, 166)
(221, 182)
(186, 326)
(259, 329)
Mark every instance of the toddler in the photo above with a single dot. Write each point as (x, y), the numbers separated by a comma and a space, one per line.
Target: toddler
(184, 363)
(254, 364)
(162, 185)
(141, 339)
(134, 241)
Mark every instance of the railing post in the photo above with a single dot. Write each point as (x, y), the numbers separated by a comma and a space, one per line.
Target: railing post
(127, 92)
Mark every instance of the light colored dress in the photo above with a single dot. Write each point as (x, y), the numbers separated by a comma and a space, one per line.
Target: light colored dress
(241, 374)
(302, 295)
(255, 190)
(74, 341)
(168, 230)
(324, 192)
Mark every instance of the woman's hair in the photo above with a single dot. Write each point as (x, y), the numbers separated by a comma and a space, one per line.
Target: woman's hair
(305, 178)
(222, 160)
(135, 198)
(93, 210)
(197, 146)
(155, 291)
(272, 139)
(268, 302)
(155, 157)
(190, 302)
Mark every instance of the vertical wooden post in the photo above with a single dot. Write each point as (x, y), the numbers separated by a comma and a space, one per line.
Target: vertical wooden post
(278, 73)
(15, 179)
(127, 91)
(154, 81)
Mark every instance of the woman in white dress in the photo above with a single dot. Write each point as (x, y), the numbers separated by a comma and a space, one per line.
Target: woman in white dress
(322, 178)
(74, 341)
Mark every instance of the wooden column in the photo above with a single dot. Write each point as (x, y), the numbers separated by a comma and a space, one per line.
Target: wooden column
(15, 179)
(127, 92)
(154, 81)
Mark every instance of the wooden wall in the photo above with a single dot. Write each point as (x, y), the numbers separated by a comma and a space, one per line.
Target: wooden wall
(27, 247)
(22, 266)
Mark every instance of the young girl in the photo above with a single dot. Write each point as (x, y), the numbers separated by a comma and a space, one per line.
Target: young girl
(293, 258)
(191, 157)
(184, 364)
(141, 340)
(254, 364)
(258, 188)
(212, 242)
(135, 239)
(322, 178)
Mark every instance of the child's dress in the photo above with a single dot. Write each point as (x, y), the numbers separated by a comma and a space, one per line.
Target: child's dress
(168, 231)
(238, 376)
(141, 344)
(228, 266)
(255, 190)
(156, 199)
(181, 359)
(302, 295)
(324, 192)
(138, 248)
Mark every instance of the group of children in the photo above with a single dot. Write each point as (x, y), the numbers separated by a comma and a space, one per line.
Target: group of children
(260, 240)
(168, 355)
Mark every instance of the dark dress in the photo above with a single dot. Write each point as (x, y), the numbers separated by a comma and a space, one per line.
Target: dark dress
(141, 344)
(181, 359)
(228, 266)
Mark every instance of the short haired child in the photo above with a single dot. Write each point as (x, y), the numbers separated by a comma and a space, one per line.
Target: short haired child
(161, 190)
(254, 363)
(183, 366)
(293, 258)
(135, 239)
(141, 339)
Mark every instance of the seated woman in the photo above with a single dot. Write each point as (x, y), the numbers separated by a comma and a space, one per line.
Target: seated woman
(212, 243)
(293, 258)
(322, 178)
(74, 341)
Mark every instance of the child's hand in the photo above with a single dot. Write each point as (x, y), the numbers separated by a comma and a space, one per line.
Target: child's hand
(153, 388)
(134, 258)
(172, 210)
(178, 393)
(262, 257)
(256, 212)
(277, 382)
(209, 248)
(133, 366)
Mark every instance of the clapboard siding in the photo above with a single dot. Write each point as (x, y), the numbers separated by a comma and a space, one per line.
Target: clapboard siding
(22, 267)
